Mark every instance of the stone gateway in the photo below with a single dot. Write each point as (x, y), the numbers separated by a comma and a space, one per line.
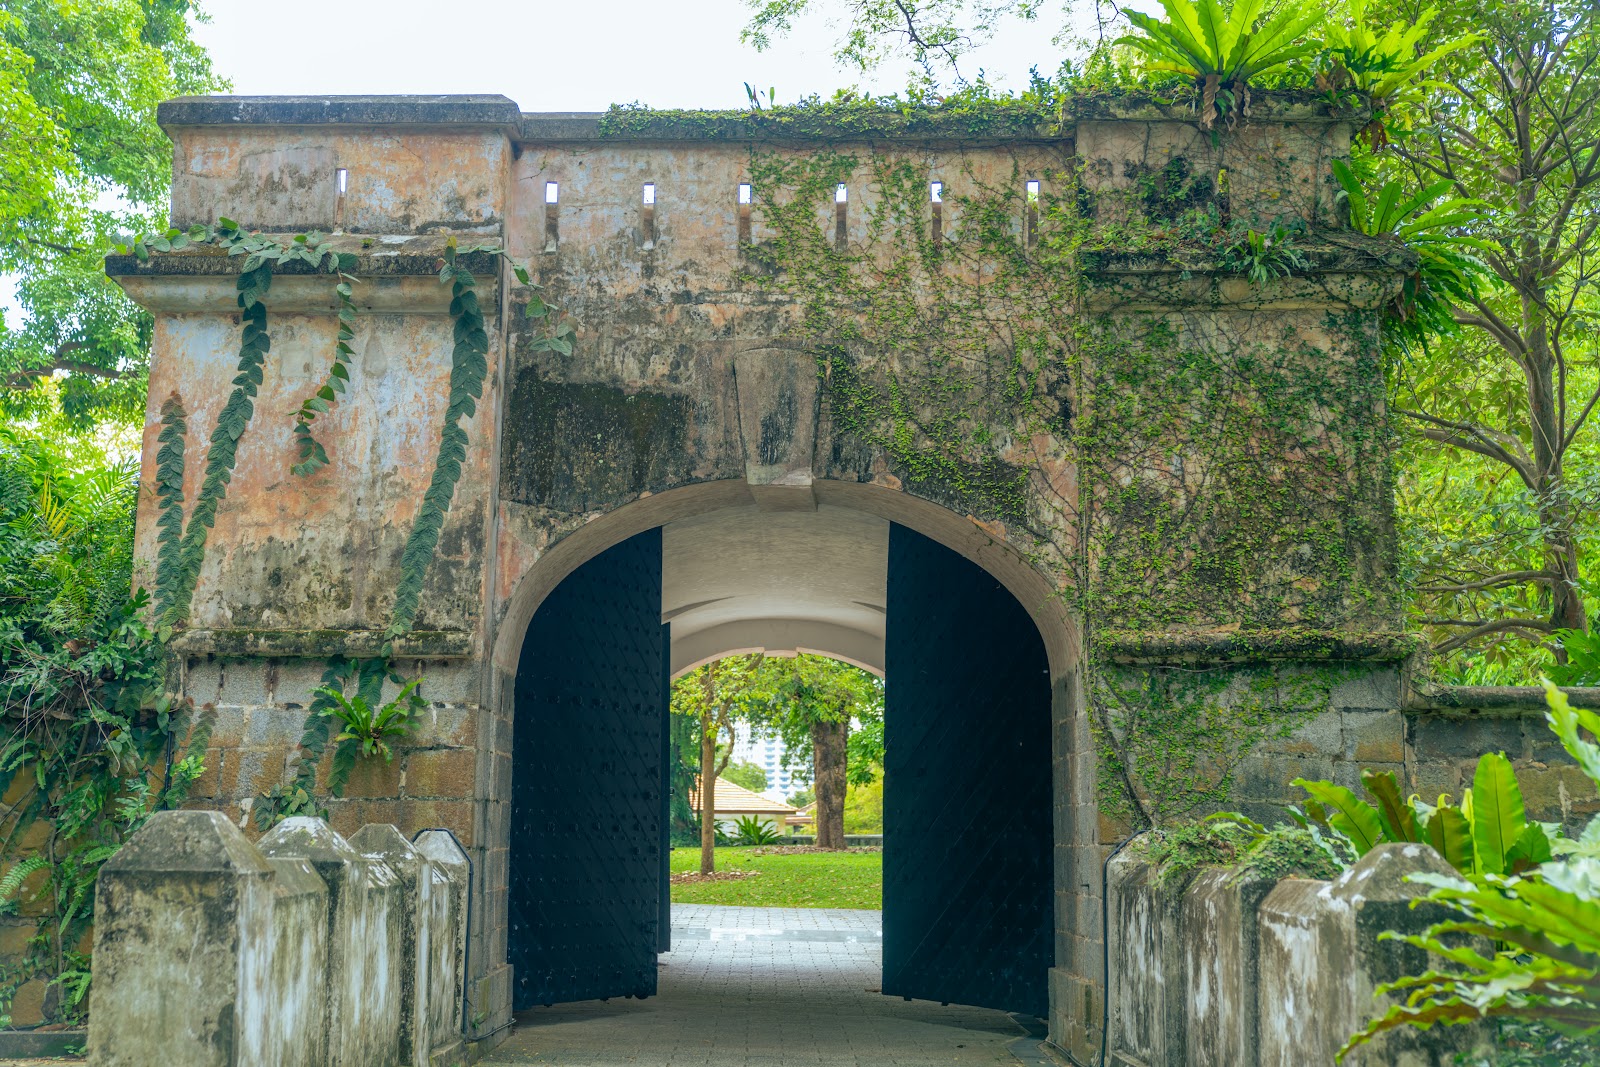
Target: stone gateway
(772, 348)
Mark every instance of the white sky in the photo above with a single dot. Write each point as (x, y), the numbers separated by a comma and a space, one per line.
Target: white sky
(573, 55)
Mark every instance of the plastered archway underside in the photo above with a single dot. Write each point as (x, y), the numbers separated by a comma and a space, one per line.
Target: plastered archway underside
(744, 579)
(744, 573)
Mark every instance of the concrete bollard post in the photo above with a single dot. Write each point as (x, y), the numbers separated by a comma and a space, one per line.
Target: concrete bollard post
(381, 841)
(362, 977)
(294, 1031)
(1146, 975)
(1321, 961)
(182, 916)
(444, 996)
(1221, 955)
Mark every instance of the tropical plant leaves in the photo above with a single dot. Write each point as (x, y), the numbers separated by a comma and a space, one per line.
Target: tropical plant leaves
(1348, 814)
(1497, 812)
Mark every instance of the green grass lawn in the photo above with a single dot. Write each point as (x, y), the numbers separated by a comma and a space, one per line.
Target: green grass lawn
(807, 880)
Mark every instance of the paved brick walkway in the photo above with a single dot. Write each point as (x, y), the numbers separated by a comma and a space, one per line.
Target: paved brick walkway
(767, 987)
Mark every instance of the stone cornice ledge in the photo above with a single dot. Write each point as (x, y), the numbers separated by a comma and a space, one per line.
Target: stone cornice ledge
(320, 644)
(1165, 648)
(1492, 700)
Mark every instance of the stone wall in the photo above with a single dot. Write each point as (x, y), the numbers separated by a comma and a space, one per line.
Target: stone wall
(682, 363)
(308, 951)
(1219, 968)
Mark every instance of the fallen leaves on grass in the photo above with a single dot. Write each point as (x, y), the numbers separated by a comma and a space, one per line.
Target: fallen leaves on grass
(695, 877)
(806, 850)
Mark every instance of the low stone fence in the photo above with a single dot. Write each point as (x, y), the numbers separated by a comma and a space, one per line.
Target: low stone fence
(850, 840)
(1221, 969)
(306, 950)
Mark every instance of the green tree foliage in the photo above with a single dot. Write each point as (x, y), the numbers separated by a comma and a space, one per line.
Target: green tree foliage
(1502, 488)
(714, 698)
(748, 775)
(863, 807)
(81, 161)
(811, 703)
(87, 750)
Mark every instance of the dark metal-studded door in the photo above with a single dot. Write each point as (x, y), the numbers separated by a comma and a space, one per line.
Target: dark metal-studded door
(587, 802)
(967, 882)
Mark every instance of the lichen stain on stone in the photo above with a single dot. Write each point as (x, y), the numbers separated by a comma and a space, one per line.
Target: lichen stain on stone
(576, 446)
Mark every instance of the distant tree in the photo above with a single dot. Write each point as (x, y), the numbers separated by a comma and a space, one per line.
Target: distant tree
(802, 798)
(715, 697)
(748, 775)
(863, 807)
(810, 702)
(82, 161)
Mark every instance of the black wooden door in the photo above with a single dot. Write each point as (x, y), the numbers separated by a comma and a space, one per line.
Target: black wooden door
(967, 882)
(587, 802)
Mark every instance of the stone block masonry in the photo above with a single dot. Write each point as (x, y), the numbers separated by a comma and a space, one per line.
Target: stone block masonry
(1226, 968)
(309, 950)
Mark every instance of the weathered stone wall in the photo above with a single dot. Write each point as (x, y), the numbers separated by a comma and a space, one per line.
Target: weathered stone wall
(1216, 967)
(308, 951)
(692, 386)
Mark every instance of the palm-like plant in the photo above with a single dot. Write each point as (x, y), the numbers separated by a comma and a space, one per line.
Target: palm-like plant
(371, 729)
(1386, 67)
(1222, 47)
(1447, 270)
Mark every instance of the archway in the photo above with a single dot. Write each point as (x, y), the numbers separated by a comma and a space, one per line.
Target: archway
(976, 840)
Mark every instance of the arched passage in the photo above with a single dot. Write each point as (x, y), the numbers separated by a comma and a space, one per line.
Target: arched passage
(969, 877)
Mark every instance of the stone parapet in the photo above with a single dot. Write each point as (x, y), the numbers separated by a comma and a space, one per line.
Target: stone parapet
(1227, 968)
(212, 952)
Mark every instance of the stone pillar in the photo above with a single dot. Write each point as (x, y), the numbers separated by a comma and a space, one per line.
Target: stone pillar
(381, 841)
(1321, 961)
(293, 1027)
(364, 953)
(182, 917)
(1221, 956)
(443, 987)
(1146, 935)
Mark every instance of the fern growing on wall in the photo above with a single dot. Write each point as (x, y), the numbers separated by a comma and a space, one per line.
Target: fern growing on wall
(469, 365)
(232, 422)
(169, 498)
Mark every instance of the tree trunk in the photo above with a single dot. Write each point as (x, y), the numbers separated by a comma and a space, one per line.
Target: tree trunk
(828, 778)
(708, 778)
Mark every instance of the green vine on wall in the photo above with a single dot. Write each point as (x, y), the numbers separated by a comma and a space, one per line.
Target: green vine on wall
(181, 546)
(1220, 468)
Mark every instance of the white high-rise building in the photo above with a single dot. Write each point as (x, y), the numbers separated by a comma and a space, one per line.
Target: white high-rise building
(766, 753)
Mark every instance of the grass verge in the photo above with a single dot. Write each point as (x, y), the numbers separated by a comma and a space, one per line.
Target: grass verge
(805, 880)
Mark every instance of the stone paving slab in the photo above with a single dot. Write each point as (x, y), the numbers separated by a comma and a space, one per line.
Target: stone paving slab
(766, 987)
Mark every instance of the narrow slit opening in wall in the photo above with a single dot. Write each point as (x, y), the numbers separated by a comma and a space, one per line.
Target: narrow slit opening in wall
(552, 197)
(341, 183)
(936, 201)
(746, 195)
(841, 229)
(1030, 218)
(647, 215)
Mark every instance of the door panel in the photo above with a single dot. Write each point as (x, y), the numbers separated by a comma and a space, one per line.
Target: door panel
(967, 879)
(587, 804)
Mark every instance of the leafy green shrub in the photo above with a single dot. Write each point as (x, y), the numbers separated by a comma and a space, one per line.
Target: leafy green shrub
(1222, 47)
(88, 749)
(753, 831)
(1487, 833)
(1583, 658)
(1543, 923)
(1447, 270)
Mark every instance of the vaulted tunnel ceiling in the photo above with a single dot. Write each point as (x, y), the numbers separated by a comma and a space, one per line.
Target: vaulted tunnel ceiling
(744, 579)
